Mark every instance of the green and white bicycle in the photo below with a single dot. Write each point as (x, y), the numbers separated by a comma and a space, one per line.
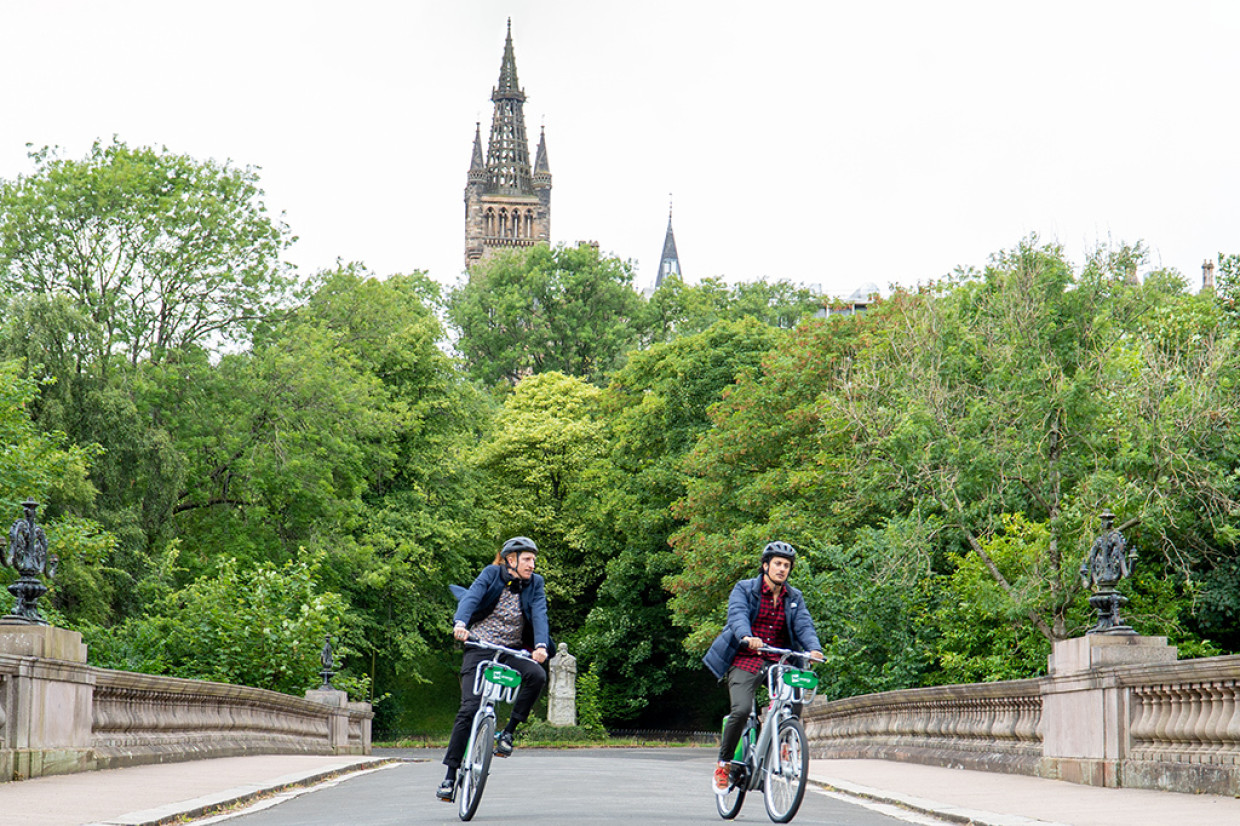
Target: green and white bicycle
(494, 682)
(774, 757)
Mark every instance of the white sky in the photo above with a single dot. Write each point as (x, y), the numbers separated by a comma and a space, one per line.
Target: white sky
(822, 142)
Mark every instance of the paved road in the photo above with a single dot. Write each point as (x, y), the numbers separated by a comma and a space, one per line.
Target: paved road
(635, 786)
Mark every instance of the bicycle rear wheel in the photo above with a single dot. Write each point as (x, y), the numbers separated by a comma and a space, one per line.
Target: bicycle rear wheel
(729, 805)
(477, 764)
(786, 770)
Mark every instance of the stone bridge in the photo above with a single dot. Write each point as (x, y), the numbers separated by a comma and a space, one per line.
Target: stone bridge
(1115, 710)
(60, 715)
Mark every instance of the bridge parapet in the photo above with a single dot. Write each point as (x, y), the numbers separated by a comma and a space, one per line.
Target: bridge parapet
(59, 716)
(1158, 724)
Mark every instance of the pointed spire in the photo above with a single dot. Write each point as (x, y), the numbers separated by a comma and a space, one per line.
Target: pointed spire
(477, 163)
(540, 163)
(508, 155)
(508, 86)
(669, 263)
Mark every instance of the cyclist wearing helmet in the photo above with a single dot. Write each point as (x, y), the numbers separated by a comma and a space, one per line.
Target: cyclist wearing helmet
(764, 610)
(507, 606)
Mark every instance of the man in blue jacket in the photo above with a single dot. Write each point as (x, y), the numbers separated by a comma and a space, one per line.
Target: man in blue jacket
(762, 611)
(507, 606)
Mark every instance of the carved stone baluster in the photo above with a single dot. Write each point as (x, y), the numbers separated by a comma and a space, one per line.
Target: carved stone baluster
(1231, 731)
(1174, 747)
(1026, 725)
(1141, 730)
(1211, 737)
(1192, 719)
(1166, 707)
(989, 716)
(1011, 715)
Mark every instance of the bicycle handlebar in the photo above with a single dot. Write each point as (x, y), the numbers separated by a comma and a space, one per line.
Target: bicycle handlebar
(785, 653)
(477, 643)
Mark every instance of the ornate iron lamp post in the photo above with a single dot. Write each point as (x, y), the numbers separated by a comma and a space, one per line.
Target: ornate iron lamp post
(1102, 569)
(27, 552)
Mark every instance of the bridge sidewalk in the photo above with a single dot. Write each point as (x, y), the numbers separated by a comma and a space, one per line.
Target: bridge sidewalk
(992, 799)
(164, 793)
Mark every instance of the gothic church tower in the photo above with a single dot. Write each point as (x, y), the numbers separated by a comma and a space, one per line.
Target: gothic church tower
(507, 203)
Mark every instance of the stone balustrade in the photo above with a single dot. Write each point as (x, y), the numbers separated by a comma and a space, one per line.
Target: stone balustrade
(1114, 711)
(986, 726)
(58, 714)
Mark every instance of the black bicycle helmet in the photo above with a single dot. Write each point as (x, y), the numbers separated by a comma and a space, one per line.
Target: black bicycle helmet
(517, 545)
(779, 549)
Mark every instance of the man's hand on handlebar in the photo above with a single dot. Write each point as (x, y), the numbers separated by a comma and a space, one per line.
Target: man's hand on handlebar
(753, 642)
(460, 632)
(539, 655)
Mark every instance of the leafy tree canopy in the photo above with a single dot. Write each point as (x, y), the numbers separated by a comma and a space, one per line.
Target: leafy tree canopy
(565, 309)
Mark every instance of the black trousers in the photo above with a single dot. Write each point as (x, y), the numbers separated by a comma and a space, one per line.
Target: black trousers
(533, 678)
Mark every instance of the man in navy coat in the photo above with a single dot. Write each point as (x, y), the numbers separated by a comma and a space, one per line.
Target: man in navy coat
(506, 605)
(762, 611)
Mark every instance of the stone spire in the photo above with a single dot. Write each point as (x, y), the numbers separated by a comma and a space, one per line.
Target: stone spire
(477, 163)
(1207, 275)
(508, 156)
(540, 160)
(507, 202)
(669, 263)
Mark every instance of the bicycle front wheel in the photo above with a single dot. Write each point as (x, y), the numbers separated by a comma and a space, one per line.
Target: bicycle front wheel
(786, 770)
(477, 764)
(729, 805)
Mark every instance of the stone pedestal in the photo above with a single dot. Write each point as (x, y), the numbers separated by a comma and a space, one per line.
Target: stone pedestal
(1104, 650)
(43, 641)
(1085, 714)
(48, 701)
(338, 723)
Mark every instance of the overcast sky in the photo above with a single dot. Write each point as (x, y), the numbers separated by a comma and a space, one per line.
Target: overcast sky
(821, 142)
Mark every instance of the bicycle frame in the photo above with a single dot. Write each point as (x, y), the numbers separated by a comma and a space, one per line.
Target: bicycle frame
(783, 697)
(493, 682)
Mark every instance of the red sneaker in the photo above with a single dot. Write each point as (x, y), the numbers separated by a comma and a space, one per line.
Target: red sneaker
(722, 778)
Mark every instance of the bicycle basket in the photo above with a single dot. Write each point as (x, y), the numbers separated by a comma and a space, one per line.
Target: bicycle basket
(502, 675)
(793, 684)
(801, 679)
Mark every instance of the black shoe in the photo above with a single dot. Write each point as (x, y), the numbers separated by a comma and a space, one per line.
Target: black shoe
(446, 790)
(503, 744)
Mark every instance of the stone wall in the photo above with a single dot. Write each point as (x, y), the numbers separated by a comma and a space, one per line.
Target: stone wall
(1114, 711)
(59, 715)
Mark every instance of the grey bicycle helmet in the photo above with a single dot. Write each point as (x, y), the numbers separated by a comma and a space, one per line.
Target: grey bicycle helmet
(782, 549)
(518, 544)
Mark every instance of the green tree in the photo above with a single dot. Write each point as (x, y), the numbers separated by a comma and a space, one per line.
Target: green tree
(545, 436)
(49, 469)
(756, 475)
(158, 250)
(679, 309)
(654, 410)
(116, 265)
(1024, 392)
(262, 625)
(565, 309)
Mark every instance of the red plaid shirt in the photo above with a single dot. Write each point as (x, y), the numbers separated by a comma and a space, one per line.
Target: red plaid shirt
(770, 626)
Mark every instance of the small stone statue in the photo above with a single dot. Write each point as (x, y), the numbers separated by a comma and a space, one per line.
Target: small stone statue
(562, 692)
